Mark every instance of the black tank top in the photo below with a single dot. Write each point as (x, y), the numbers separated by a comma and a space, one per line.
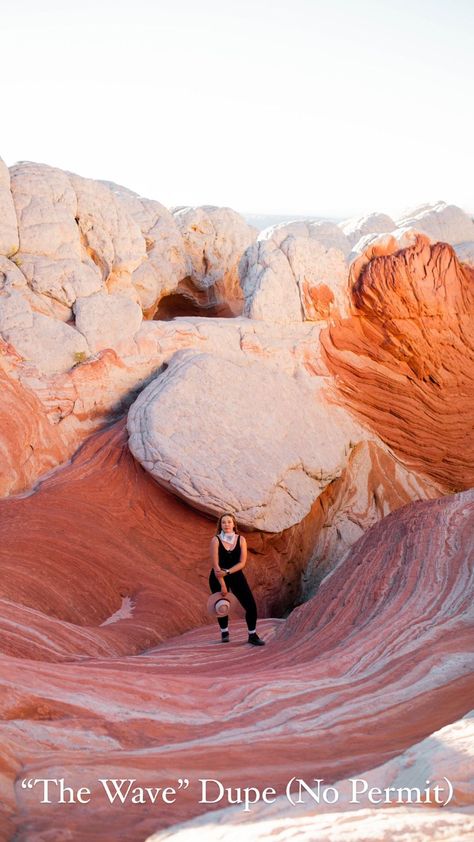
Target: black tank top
(227, 558)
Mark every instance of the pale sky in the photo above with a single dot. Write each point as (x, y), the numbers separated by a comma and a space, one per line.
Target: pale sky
(324, 107)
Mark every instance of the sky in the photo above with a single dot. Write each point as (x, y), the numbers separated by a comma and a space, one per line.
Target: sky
(318, 107)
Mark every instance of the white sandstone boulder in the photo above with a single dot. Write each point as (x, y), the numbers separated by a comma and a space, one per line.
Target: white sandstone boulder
(50, 345)
(372, 223)
(230, 434)
(289, 275)
(270, 288)
(9, 242)
(328, 233)
(214, 241)
(107, 321)
(52, 256)
(166, 264)
(442, 222)
(113, 238)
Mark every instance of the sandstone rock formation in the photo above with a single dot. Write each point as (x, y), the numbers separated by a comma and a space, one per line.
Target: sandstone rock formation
(100, 531)
(52, 255)
(293, 273)
(356, 815)
(101, 386)
(328, 233)
(465, 253)
(372, 223)
(372, 485)
(30, 445)
(233, 435)
(409, 343)
(8, 227)
(391, 622)
(107, 321)
(69, 238)
(55, 346)
(89, 370)
(214, 239)
(318, 416)
(373, 245)
(443, 222)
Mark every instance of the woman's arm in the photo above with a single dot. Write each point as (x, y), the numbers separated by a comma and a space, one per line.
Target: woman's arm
(215, 554)
(215, 563)
(243, 556)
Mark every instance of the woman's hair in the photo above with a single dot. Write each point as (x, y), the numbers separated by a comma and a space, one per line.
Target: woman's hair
(219, 522)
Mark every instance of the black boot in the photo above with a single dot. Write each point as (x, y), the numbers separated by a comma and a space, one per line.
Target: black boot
(255, 640)
(225, 636)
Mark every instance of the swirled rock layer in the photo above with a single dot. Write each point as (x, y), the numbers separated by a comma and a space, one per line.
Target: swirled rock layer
(375, 662)
(404, 359)
(100, 539)
(417, 784)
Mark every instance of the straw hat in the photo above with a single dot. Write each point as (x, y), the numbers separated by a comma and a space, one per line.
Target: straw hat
(221, 606)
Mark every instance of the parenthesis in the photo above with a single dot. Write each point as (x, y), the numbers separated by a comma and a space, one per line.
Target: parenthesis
(288, 790)
(450, 791)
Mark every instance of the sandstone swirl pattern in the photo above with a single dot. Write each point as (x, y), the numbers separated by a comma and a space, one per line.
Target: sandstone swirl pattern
(377, 660)
(448, 749)
(404, 359)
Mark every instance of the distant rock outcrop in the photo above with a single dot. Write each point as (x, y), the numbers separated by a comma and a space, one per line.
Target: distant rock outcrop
(442, 222)
(372, 223)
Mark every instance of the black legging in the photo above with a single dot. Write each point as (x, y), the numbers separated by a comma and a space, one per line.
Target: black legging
(238, 585)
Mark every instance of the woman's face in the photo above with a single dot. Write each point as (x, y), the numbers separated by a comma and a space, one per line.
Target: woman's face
(227, 524)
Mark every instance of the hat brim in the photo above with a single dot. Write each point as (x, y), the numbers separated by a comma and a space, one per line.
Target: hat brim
(234, 604)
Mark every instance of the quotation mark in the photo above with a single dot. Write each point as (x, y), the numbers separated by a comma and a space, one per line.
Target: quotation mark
(183, 783)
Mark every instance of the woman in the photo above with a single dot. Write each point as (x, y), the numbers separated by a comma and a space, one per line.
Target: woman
(229, 557)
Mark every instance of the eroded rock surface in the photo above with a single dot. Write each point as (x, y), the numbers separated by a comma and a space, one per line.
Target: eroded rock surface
(68, 241)
(214, 240)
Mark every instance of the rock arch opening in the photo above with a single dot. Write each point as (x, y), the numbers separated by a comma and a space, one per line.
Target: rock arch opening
(187, 300)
